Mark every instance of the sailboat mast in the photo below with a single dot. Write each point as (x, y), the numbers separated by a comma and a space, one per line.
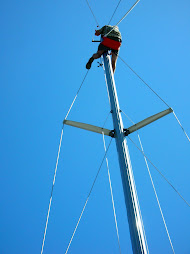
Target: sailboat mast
(136, 228)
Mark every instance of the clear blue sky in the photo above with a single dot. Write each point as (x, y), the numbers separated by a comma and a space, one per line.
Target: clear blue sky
(44, 48)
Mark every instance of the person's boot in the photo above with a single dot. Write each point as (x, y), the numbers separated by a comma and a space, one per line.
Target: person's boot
(88, 65)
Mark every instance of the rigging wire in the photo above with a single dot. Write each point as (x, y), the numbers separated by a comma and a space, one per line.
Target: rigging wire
(153, 187)
(76, 95)
(156, 196)
(88, 197)
(112, 195)
(114, 12)
(159, 172)
(157, 96)
(55, 172)
(144, 82)
(51, 196)
(181, 126)
(106, 120)
(92, 12)
(129, 66)
(123, 17)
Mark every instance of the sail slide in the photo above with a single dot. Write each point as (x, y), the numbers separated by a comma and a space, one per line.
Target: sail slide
(89, 127)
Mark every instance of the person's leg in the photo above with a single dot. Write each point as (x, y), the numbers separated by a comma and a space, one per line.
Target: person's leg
(95, 56)
(98, 54)
(113, 61)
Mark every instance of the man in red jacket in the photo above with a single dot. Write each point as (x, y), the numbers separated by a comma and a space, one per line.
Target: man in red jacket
(111, 41)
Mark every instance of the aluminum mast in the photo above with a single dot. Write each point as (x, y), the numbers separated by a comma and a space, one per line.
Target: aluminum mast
(137, 233)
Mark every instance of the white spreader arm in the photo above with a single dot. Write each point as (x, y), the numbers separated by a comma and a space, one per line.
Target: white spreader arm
(147, 121)
(89, 127)
(127, 131)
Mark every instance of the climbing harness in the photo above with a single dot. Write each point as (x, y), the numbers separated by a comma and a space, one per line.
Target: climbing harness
(111, 43)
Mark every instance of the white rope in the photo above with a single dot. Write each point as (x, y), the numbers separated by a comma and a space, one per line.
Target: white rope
(156, 195)
(51, 196)
(181, 126)
(112, 196)
(153, 187)
(144, 82)
(157, 169)
(160, 172)
(76, 95)
(123, 17)
(92, 12)
(114, 12)
(77, 224)
(87, 199)
(52, 191)
(157, 96)
(106, 120)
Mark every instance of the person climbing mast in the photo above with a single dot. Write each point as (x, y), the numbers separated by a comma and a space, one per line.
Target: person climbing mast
(111, 40)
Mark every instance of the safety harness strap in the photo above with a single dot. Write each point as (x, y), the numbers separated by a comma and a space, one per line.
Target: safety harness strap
(111, 43)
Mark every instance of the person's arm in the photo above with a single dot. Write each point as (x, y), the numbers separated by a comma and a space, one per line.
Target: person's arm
(98, 32)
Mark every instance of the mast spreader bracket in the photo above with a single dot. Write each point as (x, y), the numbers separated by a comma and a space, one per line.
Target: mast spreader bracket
(112, 133)
(126, 132)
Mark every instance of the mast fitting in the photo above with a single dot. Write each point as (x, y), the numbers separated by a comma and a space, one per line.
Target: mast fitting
(112, 133)
(100, 64)
(126, 132)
